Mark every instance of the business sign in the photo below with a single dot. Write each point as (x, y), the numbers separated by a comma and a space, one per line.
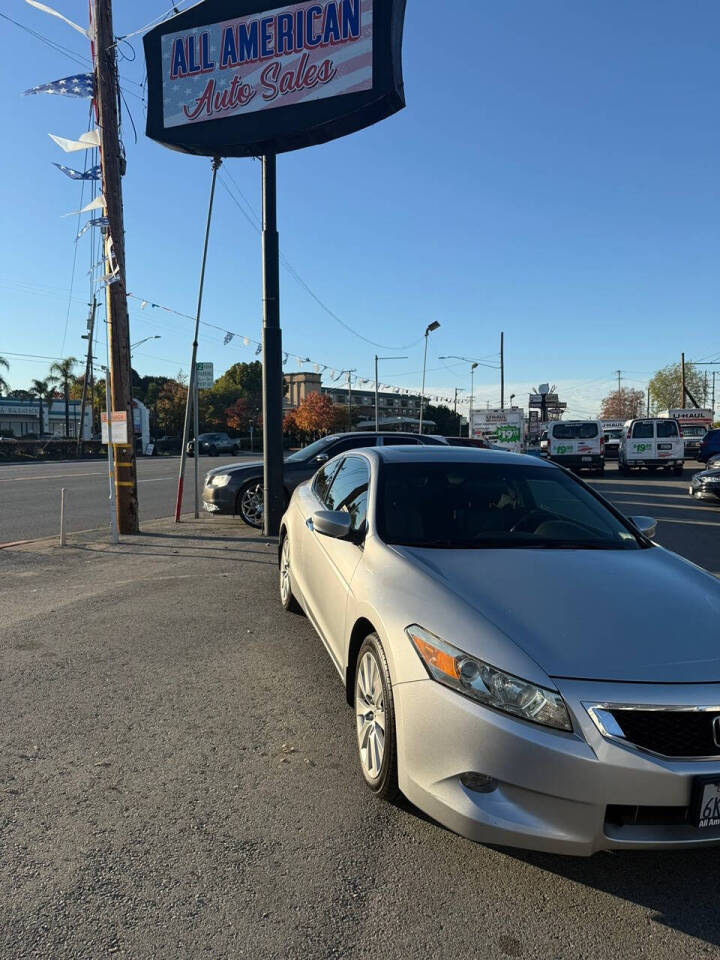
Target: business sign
(236, 78)
(20, 409)
(205, 376)
(504, 428)
(118, 432)
(691, 413)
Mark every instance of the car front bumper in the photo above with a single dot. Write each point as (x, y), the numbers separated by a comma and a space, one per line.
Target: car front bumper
(219, 499)
(655, 462)
(554, 789)
(705, 493)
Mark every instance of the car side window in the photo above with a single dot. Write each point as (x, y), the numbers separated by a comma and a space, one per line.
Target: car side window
(389, 441)
(351, 443)
(349, 491)
(667, 429)
(323, 480)
(643, 430)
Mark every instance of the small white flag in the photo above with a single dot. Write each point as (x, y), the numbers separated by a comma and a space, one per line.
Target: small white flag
(97, 204)
(86, 142)
(143, 304)
(246, 342)
(54, 13)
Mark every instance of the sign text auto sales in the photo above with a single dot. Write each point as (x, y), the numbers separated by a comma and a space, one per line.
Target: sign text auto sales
(294, 54)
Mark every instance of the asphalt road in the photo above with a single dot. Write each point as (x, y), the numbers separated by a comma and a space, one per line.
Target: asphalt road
(178, 779)
(30, 494)
(30, 501)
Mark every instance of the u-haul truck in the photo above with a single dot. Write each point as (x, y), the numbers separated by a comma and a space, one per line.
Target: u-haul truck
(694, 423)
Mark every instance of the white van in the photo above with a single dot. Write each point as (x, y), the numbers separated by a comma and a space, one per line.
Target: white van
(652, 443)
(579, 444)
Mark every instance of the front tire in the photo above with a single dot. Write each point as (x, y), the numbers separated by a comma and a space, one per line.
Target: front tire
(251, 503)
(375, 720)
(287, 598)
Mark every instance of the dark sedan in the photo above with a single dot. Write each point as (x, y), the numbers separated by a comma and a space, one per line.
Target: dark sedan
(238, 489)
(706, 485)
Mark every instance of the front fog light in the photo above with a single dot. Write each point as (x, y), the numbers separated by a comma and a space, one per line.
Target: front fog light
(478, 782)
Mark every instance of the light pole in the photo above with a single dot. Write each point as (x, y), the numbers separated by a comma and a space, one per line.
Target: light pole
(473, 365)
(455, 409)
(377, 428)
(158, 336)
(430, 327)
(472, 396)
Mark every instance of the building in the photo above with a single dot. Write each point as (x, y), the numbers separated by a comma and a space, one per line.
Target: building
(21, 417)
(396, 411)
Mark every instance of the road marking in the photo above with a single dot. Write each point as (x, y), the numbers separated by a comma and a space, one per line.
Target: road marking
(664, 506)
(694, 523)
(70, 476)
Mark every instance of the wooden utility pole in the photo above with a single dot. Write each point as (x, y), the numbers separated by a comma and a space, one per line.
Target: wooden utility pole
(682, 372)
(87, 379)
(113, 165)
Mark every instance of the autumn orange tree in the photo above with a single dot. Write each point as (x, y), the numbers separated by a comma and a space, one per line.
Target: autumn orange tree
(315, 414)
(622, 404)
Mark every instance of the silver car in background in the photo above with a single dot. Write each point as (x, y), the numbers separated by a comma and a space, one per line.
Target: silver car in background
(517, 653)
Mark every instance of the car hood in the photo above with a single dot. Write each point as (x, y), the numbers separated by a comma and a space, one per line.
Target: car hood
(246, 465)
(713, 474)
(637, 615)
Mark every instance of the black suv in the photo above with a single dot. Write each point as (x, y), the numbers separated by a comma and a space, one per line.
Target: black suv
(239, 489)
(213, 444)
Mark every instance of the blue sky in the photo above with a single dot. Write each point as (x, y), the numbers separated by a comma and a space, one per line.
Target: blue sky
(554, 175)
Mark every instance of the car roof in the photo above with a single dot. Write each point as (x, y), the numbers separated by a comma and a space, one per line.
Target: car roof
(418, 454)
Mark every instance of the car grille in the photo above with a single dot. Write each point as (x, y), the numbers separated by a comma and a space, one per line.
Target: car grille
(672, 733)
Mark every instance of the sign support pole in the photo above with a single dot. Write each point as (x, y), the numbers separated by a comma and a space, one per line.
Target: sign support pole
(271, 353)
(192, 385)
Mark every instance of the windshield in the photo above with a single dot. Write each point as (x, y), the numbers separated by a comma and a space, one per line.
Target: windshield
(575, 431)
(472, 504)
(694, 430)
(613, 434)
(319, 446)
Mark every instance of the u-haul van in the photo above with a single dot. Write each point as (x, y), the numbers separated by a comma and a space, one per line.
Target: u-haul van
(652, 443)
(579, 444)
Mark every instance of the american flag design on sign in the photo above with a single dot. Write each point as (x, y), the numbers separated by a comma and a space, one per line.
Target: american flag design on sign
(294, 54)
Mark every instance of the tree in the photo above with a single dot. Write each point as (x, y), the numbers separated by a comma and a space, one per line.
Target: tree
(45, 393)
(316, 414)
(666, 386)
(242, 380)
(238, 415)
(4, 387)
(446, 422)
(623, 404)
(19, 395)
(61, 372)
(171, 408)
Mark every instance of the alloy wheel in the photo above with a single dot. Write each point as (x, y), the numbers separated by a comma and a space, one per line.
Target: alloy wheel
(252, 504)
(370, 715)
(285, 572)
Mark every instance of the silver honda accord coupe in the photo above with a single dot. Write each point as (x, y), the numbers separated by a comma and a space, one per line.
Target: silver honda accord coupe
(525, 664)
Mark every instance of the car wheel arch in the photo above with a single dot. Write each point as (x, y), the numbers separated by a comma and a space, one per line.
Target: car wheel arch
(362, 628)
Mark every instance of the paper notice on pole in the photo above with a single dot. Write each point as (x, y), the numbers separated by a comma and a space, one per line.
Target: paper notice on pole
(117, 432)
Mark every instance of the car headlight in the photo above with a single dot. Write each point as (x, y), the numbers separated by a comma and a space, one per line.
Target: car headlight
(486, 684)
(219, 480)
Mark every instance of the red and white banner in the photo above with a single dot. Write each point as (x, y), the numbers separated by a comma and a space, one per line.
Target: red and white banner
(294, 54)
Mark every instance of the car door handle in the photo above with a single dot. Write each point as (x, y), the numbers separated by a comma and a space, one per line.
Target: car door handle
(309, 524)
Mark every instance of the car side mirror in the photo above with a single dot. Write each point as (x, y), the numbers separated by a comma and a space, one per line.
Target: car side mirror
(322, 458)
(332, 523)
(646, 525)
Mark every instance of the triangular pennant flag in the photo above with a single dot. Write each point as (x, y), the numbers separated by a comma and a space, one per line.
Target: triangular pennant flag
(259, 350)
(92, 174)
(81, 86)
(228, 338)
(143, 304)
(54, 13)
(285, 357)
(86, 142)
(97, 204)
(97, 222)
(246, 342)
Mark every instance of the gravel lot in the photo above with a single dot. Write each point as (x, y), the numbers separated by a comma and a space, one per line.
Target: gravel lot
(178, 779)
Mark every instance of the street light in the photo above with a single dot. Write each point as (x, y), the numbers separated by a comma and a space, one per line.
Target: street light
(430, 327)
(157, 336)
(377, 428)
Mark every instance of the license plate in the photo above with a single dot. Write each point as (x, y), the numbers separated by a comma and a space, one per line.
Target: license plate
(664, 446)
(705, 809)
(587, 459)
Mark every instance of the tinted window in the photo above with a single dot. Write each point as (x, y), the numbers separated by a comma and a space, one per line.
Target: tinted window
(351, 443)
(472, 504)
(323, 479)
(667, 428)
(399, 441)
(692, 430)
(349, 490)
(643, 430)
(432, 442)
(312, 450)
(575, 431)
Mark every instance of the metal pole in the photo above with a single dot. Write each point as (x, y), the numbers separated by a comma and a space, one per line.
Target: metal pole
(196, 432)
(713, 392)
(502, 371)
(682, 370)
(350, 400)
(114, 538)
(272, 353)
(62, 517)
(377, 427)
(472, 389)
(88, 364)
(192, 389)
(422, 395)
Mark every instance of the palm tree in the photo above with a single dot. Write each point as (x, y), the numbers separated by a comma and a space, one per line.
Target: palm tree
(60, 372)
(4, 386)
(44, 392)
